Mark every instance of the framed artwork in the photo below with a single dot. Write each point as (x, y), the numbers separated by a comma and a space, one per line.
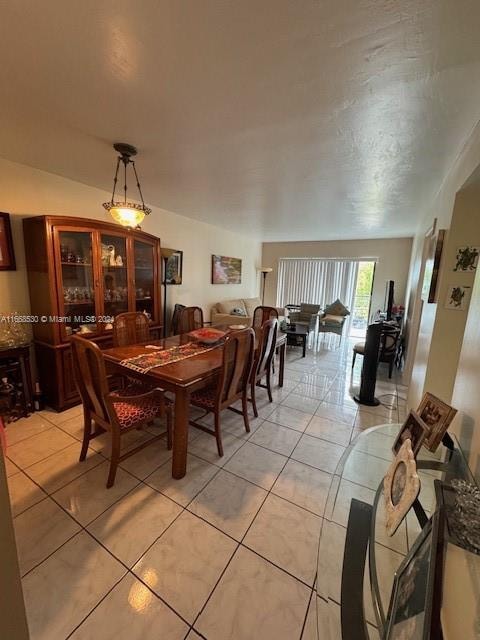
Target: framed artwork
(7, 255)
(226, 270)
(466, 258)
(415, 603)
(457, 298)
(437, 416)
(432, 267)
(413, 429)
(174, 268)
(401, 487)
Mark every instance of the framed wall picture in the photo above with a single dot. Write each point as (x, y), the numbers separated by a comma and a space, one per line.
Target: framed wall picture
(415, 603)
(466, 258)
(7, 255)
(432, 267)
(226, 270)
(457, 298)
(413, 429)
(174, 268)
(401, 487)
(437, 416)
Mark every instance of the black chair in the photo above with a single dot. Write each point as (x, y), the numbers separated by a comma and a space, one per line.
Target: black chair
(388, 347)
(175, 327)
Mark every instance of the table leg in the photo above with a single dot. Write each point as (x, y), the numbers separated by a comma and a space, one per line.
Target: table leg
(180, 434)
(304, 346)
(281, 368)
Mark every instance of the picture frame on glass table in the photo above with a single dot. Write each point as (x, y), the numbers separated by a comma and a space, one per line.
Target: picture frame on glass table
(401, 487)
(415, 429)
(437, 415)
(415, 603)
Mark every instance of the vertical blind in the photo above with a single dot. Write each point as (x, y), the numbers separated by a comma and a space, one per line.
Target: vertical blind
(316, 281)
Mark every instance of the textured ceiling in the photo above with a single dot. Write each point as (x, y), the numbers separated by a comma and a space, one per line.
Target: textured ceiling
(291, 120)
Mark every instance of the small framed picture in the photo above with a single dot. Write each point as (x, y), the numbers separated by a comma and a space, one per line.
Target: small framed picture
(7, 255)
(415, 603)
(437, 416)
(457, 298)
(173, 274)
(401, 487)
(466, 258)
(413, 429)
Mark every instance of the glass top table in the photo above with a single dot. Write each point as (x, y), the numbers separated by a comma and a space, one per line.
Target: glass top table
(358, 476)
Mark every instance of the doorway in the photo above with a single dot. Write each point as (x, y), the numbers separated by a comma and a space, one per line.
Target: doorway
(362, 299)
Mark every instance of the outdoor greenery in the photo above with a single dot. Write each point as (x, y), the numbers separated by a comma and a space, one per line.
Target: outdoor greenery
(363, 290)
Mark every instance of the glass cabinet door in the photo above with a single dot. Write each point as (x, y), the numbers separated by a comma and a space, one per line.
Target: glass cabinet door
(78, 283)
(144, 262)
(114, 274)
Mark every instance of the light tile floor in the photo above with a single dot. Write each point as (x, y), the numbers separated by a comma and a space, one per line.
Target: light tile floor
(227, 553)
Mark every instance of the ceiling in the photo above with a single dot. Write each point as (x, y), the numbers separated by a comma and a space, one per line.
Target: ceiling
(284, 119)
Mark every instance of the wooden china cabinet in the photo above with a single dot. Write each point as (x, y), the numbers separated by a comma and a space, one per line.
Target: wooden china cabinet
(81, 274)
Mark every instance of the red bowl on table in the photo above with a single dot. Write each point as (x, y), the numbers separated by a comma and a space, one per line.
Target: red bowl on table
(207, 335)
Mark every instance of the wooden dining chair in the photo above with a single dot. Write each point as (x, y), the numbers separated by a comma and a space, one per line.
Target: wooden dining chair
(116, 412)
(190, 318)
(262, 364)
(230, 385)
(130, 328)
(261, 315)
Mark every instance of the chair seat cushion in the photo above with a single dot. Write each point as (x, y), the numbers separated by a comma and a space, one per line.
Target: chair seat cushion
(204, 398)
(328, 318)
(132, 413)
(359, 347)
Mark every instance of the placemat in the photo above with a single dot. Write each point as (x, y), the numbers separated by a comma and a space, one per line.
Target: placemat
(147, 361)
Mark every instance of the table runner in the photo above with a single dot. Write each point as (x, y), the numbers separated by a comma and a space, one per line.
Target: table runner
(147, 361)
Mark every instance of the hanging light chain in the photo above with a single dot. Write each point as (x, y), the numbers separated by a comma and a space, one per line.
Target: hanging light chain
(115, 179)
(139, 187)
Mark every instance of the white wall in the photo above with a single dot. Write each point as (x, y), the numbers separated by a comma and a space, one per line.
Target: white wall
(392, 255)
(25, 191)
(437, 338)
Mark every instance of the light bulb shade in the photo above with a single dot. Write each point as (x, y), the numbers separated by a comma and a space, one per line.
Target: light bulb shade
(126, 213)
(265, 269)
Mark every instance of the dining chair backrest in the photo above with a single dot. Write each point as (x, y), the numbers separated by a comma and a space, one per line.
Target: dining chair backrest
(267, 339)
(91, 376)
(237, 365)
(388, 342)
(177, 309)
(261, 315)
(79, 381)
(191, 318)
(130, 328)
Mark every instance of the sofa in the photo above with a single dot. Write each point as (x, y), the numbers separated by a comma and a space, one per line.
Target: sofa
(222, 311)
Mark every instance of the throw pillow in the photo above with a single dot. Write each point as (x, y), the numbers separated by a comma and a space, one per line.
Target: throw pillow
(236, 311)
(337, 308)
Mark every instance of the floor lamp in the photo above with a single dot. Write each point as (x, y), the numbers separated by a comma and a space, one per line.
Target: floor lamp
(165, 253)
(264, 271)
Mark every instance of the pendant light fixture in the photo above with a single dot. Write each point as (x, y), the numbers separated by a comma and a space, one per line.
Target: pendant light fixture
(128, 214)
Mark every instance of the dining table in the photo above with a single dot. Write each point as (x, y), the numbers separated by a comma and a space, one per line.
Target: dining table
(181, 378)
